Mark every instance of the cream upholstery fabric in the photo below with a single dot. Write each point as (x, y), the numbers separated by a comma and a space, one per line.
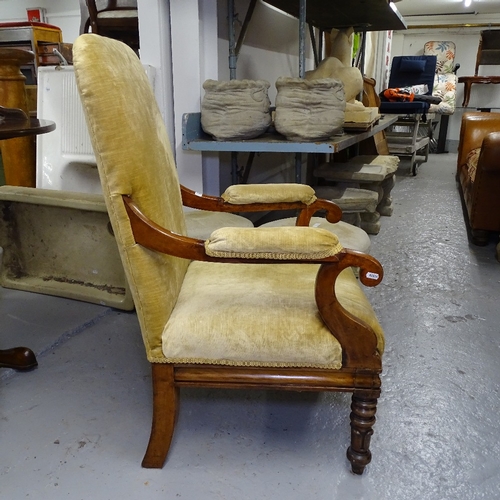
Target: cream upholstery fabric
(195, 312)
(243, 194)
(134, 157)
(250, 315)
(282, 243)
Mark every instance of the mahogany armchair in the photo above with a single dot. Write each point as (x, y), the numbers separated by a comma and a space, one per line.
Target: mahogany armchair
(249, 308)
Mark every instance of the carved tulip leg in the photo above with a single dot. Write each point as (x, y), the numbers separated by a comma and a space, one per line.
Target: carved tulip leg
(362, 420)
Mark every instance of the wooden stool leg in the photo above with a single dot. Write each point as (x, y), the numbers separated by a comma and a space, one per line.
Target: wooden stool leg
(18, 155)
(19, 161)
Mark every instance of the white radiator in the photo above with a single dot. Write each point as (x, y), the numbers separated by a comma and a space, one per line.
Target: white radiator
(65, 160)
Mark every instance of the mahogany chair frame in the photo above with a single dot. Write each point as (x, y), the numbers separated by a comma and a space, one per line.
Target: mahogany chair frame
(361, 361)
(488, 54)
(361, 364)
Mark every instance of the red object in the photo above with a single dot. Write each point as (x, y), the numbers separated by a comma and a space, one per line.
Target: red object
(27, 23)
(395, 95)
(36, 15)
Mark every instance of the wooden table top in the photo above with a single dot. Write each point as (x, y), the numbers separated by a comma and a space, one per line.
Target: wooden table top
(15, 123)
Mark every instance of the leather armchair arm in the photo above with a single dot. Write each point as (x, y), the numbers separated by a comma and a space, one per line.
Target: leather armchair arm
(474, 128)
(490, 151)
(217, 204)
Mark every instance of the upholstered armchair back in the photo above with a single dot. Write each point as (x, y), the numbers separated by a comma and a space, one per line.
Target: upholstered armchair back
(445, 81)
(445, 54)
(134, 158)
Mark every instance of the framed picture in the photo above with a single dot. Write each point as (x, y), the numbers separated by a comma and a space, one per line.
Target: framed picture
(36, 14)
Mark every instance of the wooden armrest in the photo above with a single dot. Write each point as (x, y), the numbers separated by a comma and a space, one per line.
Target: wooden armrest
(358, 340)
(216, 204)
(152, 236)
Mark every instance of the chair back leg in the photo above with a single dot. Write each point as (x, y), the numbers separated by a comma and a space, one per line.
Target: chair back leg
(165, 409)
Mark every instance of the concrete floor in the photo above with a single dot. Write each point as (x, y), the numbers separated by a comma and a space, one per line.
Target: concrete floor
(77, 427)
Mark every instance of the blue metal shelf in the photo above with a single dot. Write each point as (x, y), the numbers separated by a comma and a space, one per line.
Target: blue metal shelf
(194, 139)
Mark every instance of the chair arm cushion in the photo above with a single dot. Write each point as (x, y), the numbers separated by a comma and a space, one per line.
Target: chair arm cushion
(279, 243)
(244, 194)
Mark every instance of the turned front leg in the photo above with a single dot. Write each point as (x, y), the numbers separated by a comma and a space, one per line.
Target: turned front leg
(362, 420)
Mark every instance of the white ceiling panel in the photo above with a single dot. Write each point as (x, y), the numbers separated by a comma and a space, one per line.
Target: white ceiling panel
(416, 8)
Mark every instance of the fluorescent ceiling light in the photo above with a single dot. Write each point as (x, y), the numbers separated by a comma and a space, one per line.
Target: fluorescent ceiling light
(467, 3)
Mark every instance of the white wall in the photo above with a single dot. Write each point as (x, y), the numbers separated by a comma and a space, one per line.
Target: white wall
(270, 50)
(186, 42)
(62, 13)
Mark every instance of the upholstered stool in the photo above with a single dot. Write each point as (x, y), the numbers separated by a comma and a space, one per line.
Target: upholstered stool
(201, 224)
(349, 236)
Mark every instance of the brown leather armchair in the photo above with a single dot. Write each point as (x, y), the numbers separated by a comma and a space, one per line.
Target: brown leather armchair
(478, 173)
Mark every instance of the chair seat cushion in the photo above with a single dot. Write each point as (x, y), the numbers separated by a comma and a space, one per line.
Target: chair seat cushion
(258, 315)
(117, 14)
(445, 87)
(404, 108)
